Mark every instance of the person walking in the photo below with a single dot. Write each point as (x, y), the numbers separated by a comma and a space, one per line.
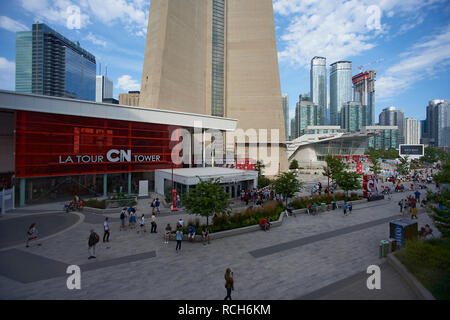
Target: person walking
(106, 230)
(32, 235)
(179, 237)
(205, 235)
(142, 224)
(167, 234)
(345, 206)
(157, 203)
(153, 206)
(123, 217)
(229, 283)
(93, 240)
(401, 205)
(153, 229)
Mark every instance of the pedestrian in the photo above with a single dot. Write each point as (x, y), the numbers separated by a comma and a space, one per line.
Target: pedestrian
(153, 224)
(142, 224)
(152, 205)
(167, 234)
(345, 206)
(191, 233)
(290, 210)
(93, 240)
(123, 216)
(413, 211)
(32, 235)
(400, 204)
(106, 230)
(205, 235)
(157, 203)
(132, 218)
(350, 207)
(417, 195)
(180, 222)
(178, 201)
(179, 237)
(229, 283)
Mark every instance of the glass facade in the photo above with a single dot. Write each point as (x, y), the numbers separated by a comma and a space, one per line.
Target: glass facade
(24, 52)
(340, 88)
(353, 116)
(47, 63)
(80, 76)
(318, 83)
(393, 117)
(218, 58)
(438, 123)
(383, 139)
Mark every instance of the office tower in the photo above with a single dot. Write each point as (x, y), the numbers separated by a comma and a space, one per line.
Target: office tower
(340, 88)
(382, 137)
(393, 117)
(364, 92)
(413, 131)
(218, 58)
(103, 89)
(50, 64)
(318, 83)
(353, 116)
(129, 99)
(304, 97)
(293, 130)
(306, 114)
(285, 100)
(438, 123)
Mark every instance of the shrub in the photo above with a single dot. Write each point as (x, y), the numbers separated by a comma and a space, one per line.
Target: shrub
(94, 203)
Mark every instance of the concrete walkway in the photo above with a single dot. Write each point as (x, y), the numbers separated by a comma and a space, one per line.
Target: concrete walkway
(304, 255)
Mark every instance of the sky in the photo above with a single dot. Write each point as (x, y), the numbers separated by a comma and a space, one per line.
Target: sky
(407, 42)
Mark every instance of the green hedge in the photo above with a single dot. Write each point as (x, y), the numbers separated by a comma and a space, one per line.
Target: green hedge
(244, 218)
(303, 202)
(94, 203)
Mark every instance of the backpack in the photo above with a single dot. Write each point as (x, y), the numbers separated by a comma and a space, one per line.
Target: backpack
(152, 204)
(122, 215)
(96, 238)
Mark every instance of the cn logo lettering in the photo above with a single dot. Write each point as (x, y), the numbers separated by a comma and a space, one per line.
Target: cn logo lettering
(74, 280)
(374, 281)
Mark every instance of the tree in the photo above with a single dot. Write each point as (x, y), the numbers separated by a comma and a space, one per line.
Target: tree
(375, 166)
(259, 166)
(334, 167)
(348, 181)
(441, 213)
(432, 155)
(403, 166)
(287, 184)
(294, 164)
(207, 199)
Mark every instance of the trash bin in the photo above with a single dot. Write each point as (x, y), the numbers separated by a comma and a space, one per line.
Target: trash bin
(392, 245)
(384, 248)
(323, 206)
(333, 205)
(403, 229)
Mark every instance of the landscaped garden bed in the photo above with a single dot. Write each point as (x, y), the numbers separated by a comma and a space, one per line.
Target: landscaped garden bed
(303, 202)
(429, 262)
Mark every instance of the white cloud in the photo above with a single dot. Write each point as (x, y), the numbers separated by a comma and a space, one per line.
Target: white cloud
(11, 25)
(423, 60)
(7, 74)
(337, 29)
(126, 83)
(91, 37)
(62, 12)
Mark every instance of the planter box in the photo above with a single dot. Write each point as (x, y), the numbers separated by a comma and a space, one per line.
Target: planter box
(126, 202)
(229, 233)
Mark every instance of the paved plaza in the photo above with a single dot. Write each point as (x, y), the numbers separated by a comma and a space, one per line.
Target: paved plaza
(307, 257)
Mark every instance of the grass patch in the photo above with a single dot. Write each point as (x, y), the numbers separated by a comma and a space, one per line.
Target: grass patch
(429, 262)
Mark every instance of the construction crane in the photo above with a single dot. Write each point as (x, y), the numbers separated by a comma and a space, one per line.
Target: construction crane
(368, 64)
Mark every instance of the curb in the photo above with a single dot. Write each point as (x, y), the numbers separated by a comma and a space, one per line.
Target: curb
(415, 284)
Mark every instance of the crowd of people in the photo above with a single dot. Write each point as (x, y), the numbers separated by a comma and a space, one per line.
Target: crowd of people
(259, 196)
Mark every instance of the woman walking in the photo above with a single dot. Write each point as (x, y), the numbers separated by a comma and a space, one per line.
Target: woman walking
(229, 283)
(167, 234)
(179, 238)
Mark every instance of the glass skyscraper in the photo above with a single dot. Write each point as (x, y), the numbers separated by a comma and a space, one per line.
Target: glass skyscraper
(353, 116)
(340, 88)
(318, 83)
(47, 63)
(393, 117)
(364, 92)
(438, 123)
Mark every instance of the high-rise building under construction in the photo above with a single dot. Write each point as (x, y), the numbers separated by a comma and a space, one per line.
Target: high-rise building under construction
(216, 57)
(364, 92)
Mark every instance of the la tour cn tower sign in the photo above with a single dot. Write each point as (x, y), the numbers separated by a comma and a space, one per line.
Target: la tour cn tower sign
(112, 155)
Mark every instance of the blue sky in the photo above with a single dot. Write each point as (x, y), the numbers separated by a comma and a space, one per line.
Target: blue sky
(410, 38)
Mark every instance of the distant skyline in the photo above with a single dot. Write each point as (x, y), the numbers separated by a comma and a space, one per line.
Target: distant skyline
(410, 37)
